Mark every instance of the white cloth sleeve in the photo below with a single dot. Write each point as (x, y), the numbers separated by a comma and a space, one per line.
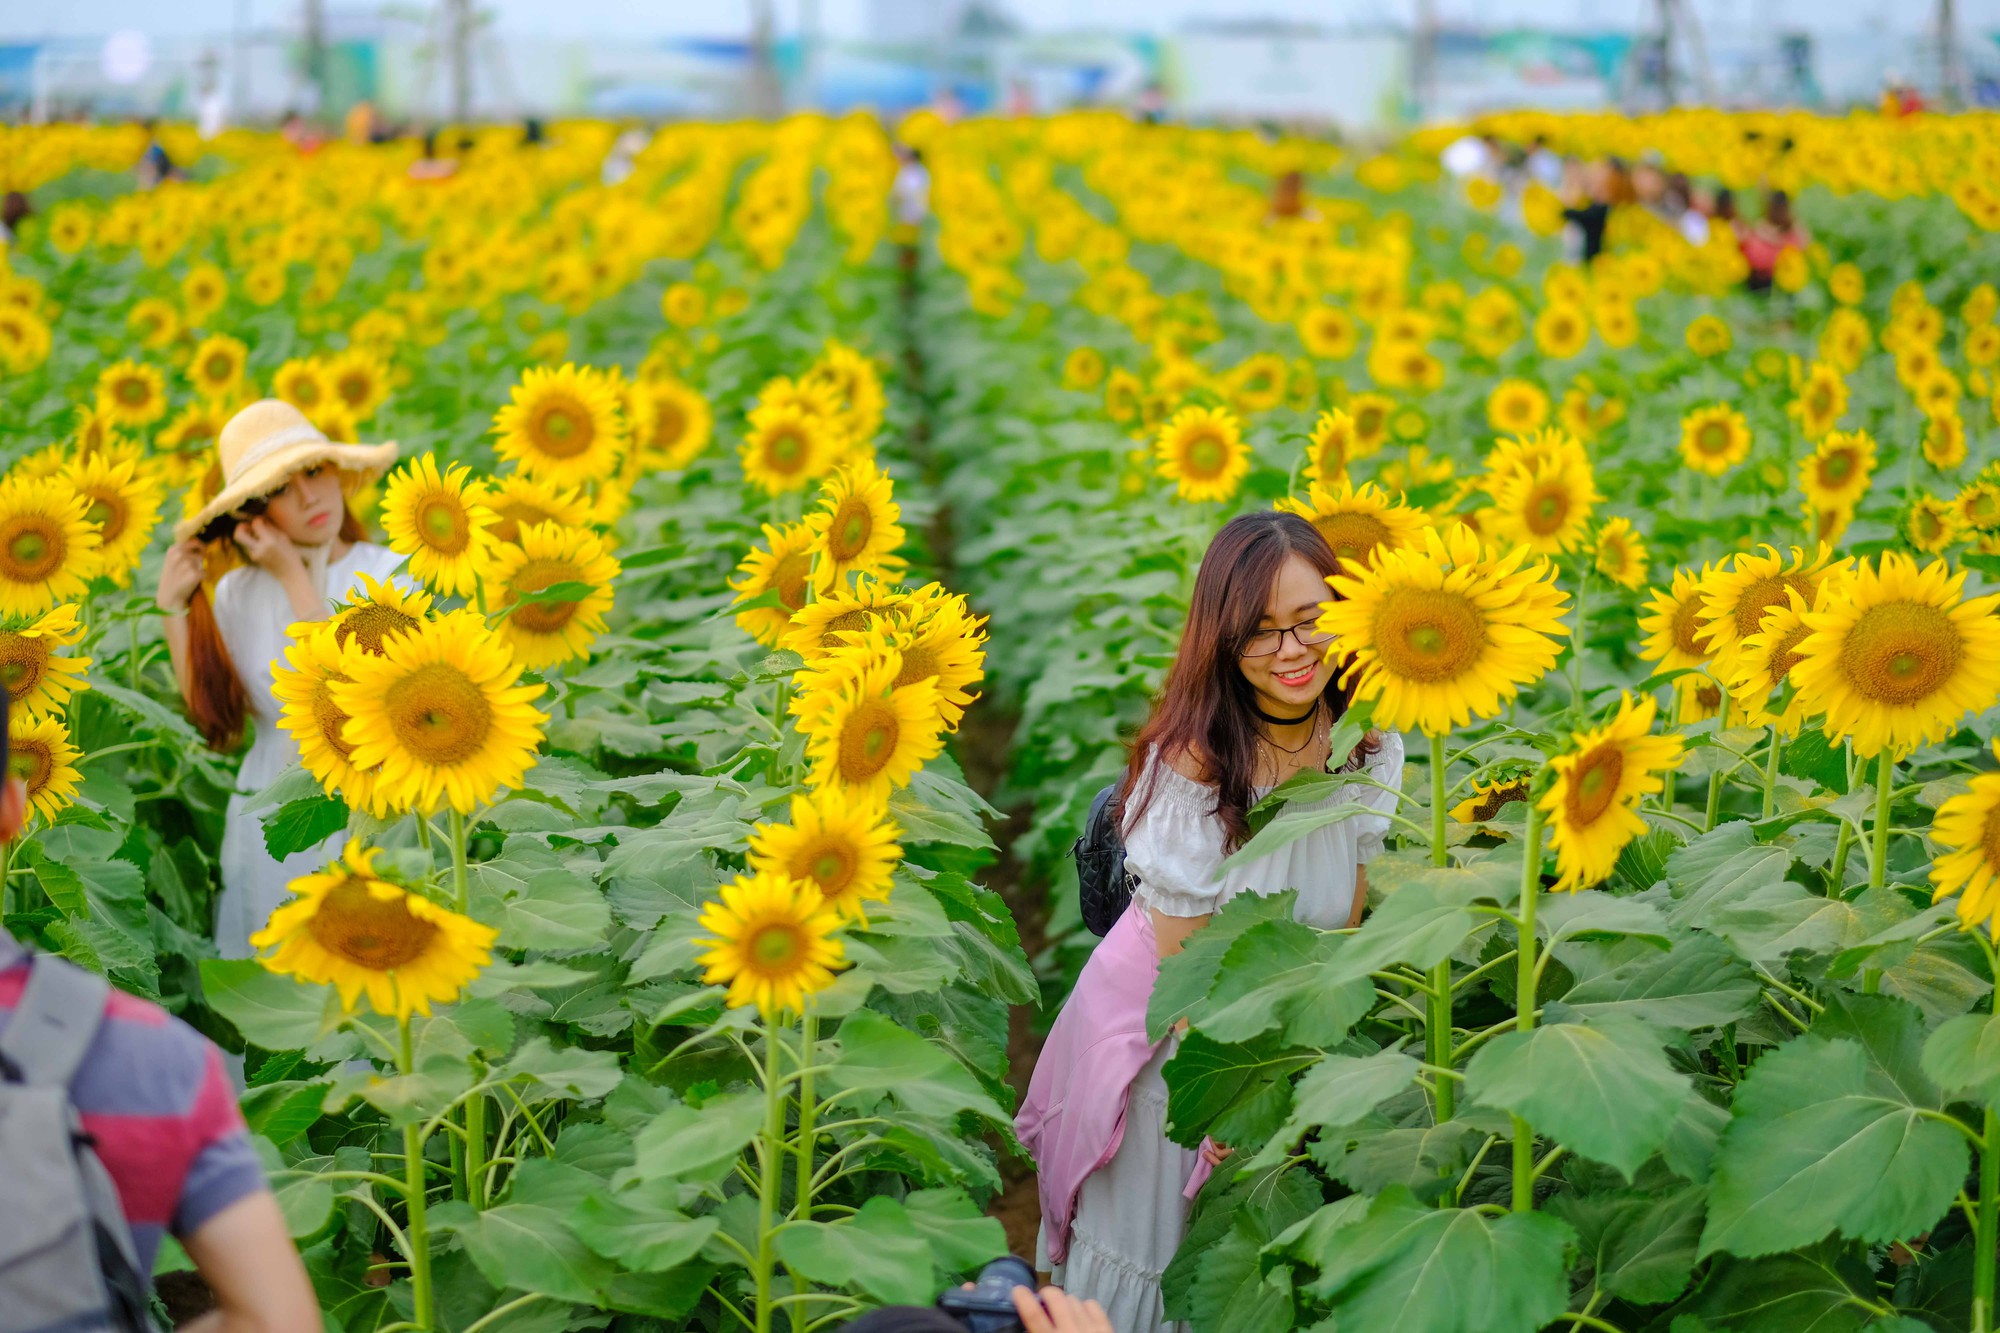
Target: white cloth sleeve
(1175, 850)
(1371, 832)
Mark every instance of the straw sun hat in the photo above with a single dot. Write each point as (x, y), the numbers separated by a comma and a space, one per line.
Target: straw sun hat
(265, 444)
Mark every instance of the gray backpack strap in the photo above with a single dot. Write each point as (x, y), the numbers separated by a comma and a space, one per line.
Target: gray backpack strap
(57, 1019)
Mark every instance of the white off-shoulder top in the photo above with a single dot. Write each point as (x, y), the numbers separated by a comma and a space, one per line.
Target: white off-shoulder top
(1175, 850)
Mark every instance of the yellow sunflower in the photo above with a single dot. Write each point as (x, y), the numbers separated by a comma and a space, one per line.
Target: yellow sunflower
(1201, 451)
(1258, 384)
(1620, 553)
(349, 928)
(1329, 333)
(865, 734)
(543, 633)
(1967, 827)
(1978, 506)
(1944, 441)
(39, 682)
(216, 369)
(561, 426)
(1821, 401)
(788, 447)
(1083, 369)
(1763, 666)
(1930, 525)
(1562, 330)
(677, 426)
(155, 321)
(1122, 394)
(1359, 522)
(359, 382)
(1736, 596)
(124, 506)
(1714, 439)
(1328, 448)
(1708, 336)
(1836, 474)
(197, 424)
(203, 291)
(1372, 414)
(1899, 656)
(1547, 509)
(440, 520)
(855, 525)
(519, 502)
(304, 383)
(41, 755)
(780, 570)
(48, 545)
(1488, 799)
(937, 640)
(834, 618)
(440, 717)
(131, 394)
(1440, 634)
(845, 850)
(771, 942)
(684, 304)
(383, 609)
(1516, 407)
(303, 685)
(1593, 804)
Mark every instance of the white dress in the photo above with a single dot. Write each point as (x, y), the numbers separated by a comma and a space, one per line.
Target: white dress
(253, 611)
(1130, 1213)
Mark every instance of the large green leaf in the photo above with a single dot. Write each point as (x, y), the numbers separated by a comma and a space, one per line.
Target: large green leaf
(271, 1011)
(1186, 978)
(686, 1143)
(298, 825)
(877, 1056)
(961, 1237)
(1699, 983)
(1719, 868)
(638, 1232)
(1826, 1289)
(571, 1072)
(1276, 974)
(876, 1251)
(1240, 1093)
(1604, 1090)
(1963, 1056)
(1824, 1139)
(1641, 1243)
(1415, 1269)
(526, 1247)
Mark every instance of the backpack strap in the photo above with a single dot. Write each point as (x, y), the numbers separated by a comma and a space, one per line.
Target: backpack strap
(57, 1019)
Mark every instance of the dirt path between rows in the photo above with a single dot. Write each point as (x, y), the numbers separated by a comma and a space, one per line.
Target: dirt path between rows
(983, 748)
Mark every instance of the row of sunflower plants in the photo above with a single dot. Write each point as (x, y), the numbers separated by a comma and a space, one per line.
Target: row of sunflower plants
(654, 983)
(1679, 596)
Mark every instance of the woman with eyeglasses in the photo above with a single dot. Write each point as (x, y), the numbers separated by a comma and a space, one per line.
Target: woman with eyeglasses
(278, 544)
(1249, 702)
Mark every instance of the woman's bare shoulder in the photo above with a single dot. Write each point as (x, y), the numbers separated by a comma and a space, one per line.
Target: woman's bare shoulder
(1185, 763)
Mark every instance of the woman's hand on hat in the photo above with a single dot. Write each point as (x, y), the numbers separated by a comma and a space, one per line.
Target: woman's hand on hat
(268, 549)
(180, 574)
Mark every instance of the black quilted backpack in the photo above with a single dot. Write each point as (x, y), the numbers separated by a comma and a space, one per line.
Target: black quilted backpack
(1103, 885)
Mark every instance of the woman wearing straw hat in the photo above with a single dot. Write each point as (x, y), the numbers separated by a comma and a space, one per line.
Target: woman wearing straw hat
(283, 507)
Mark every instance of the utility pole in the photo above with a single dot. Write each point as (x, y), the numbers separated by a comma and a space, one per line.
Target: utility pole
(1423, 60)
(315, 57)
(764, 92)
(458, 47)
(1951, 71)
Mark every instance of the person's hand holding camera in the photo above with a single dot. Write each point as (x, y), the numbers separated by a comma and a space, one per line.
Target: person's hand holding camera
(1056, 1311)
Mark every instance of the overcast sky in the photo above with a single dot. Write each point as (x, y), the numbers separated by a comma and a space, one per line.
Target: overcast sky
(645, 19)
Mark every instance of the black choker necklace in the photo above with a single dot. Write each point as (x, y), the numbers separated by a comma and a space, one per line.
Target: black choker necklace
(1285, 721)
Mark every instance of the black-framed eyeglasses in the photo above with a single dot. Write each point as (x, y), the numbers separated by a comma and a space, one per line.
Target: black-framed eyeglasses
(1268, 641)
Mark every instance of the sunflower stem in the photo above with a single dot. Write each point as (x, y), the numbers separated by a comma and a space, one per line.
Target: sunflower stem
(802, 1205)
(1985, 1245)
(417, 1231)
(460, 889)
(1878, 861)
(772, 1179)
(1524, 998)
(1715, 778)
(1437, 1031)
(1577, 640)
(1771, 775)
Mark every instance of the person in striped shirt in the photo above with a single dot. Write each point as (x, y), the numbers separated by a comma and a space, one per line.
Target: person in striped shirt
(153, 1094)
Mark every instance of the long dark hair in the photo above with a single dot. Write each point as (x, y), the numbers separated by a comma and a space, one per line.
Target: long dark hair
(1206, 712)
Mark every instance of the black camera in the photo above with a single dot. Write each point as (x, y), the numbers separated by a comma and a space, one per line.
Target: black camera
(987, 1306)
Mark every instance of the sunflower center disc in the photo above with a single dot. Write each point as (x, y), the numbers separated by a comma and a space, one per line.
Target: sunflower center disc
(1713, 440)
(1900, 652)
(1989, 837)
(847, 536)
(562, 431)
(34, 552)
(919, 663)
(831, 870)
(356, 925)
(773, 947)
(1353, 536)
(868, 741)
(1547, 513)
(1428, 635)
(32, 763)
(444, 526)
(787, 449)
(330, 720)
(545, 617)
(1595, 784)
(1836, 467)
(1205, 456)
(439, 714)
(108, 515)
(669, 424)
(369, 625)
(789, 580)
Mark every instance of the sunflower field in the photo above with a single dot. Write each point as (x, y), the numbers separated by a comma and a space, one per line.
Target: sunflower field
(674, 975)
